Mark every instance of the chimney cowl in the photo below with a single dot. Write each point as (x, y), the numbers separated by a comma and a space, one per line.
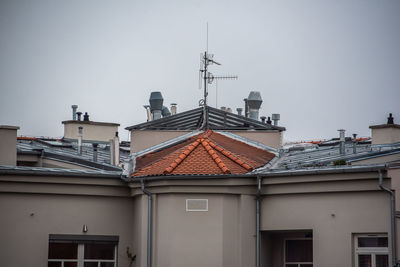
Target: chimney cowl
(156, 101)
(239, 111)
(269, 121)
(86, 117)
(173, 108)
(263, 119)
(254, 102)
(165, 112)
(79, 114)
(390, 119)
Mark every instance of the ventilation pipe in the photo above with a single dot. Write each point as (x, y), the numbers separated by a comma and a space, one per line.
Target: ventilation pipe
(254, 102)
(80, 136)
(74, 108)
(165, 112)
(174, 108)
(276, 118)
(263, 119)
(95, 145)
(156, 104)
(354, 143)
(114, 150)
(341, 142)
(223, 108)
(239, 111)
(390, 119)
(269, 121)
(148, 112)
(246, 108)
(79, 114)
(86, 117)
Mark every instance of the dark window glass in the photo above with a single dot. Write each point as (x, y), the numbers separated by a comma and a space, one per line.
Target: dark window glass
(299, 251)
(364, 261)
(382, 261)
(54, 264)
(70, 264)
(374, 242)
(291, 265)
(63, 251)
(99, 251)
(107, 264)
(90, 264)
(306, 265)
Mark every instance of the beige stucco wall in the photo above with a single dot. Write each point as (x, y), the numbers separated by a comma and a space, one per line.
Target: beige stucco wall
(141, 140)
(385, 135)
(272, 139)
(91, 132)
(8, 145)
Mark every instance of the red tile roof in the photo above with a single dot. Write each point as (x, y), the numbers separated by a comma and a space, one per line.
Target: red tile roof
(206, 153)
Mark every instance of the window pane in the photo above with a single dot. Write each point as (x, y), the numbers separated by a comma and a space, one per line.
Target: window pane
(107, 264)
(375, 242)
(54, 264)
(63, 251)
(99, 251)
(70, 264)
(91, 264)
(299, 251)
(382, 260)
(364, 261)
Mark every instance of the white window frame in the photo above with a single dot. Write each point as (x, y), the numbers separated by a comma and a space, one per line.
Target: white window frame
(202, 199)
(80, 260)
(284, 251)
(373, 251)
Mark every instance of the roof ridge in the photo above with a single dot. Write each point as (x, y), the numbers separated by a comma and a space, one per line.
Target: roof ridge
(232, 157)
(214, 156)
(181, 157)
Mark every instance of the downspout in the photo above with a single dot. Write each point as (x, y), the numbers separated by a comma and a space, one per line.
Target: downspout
(393, 218)
(258, 200)
(149, 204)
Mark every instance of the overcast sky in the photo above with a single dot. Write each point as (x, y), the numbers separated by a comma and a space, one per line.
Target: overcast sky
(323, 65)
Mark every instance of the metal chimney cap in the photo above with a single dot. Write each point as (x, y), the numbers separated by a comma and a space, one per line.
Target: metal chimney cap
(74, 106)
(156, 101)
(276, 116)
(254, 100)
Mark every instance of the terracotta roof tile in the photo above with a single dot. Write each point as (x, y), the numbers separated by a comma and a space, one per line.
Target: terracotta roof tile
(206, 153)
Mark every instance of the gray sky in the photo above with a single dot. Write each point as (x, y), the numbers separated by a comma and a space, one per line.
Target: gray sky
(323, 65)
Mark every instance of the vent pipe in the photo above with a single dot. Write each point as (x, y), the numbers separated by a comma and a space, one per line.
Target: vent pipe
(80, 136)
(173, 108)
(148, 112)
(263, 119)
(269, 121)
(342, 142)
(276, 118)
(74, 108)
(79, 114)
(254, 102)
(95, 145)
(229, 110)
(86, 117)
(165, 112)
(239, 111)
(354, 143)
(223, 108)
(156, 104)
(390, 119)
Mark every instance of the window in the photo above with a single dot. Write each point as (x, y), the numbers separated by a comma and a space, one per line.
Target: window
(371, 251)
(82, 251)
(298, 252)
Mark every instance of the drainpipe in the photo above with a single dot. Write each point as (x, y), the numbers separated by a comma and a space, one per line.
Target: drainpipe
(258, 200)
(149, 203)
(393, 218)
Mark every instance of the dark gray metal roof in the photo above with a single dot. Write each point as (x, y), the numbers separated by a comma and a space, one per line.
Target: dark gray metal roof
(58, 171)
(193, 119)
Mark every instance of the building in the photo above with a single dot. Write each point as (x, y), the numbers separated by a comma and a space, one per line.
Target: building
(200, 188)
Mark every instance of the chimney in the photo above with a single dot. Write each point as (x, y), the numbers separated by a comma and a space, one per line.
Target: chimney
(148, 112)
(276, 118)
(239, 111)
(86, 117)
(95, 145)
(156, 104)
(229, 110)
(8, 145)
(269, 121)
(388, 133)
(79, 114)
(342, 141)
(80, 136)
(223, 108)
(114, 150)
(254, 102)
(263, 119)
(173, 108)
(354, 143)
(74, 108)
